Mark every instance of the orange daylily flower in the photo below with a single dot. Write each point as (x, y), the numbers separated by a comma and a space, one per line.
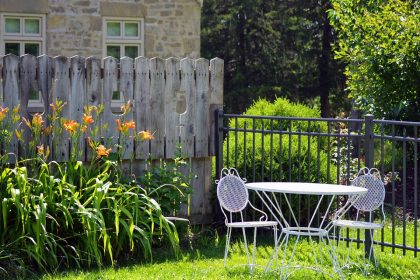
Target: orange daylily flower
(28, 123)
(88, 109)
(15, 114)
(47, 152)
(37, 120)
(71, 126)
(126, 107)
(19, 135)
(101, 151)
(84, 127)
(40, 150)
(87, 119)
(118, 122)
(146, 135)
(3, 112)
(47, 130)
(130, 124)
(57, 106)
(16, 110)
(90, 142)
(124, 127)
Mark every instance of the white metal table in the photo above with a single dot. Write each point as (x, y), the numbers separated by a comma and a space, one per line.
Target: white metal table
(325, 193)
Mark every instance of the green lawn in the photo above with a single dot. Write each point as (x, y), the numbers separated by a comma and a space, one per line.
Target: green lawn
(205, 261)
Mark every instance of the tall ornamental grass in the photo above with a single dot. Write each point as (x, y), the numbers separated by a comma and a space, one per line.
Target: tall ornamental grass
(56, 215)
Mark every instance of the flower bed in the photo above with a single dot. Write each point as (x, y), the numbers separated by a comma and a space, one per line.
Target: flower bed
(61, 214)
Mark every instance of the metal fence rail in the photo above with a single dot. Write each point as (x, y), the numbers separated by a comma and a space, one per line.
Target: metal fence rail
(272, 148)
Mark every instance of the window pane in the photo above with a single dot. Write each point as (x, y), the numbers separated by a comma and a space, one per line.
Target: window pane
(12, 25)
(131, 51)
(34, 95)
(13, 48)
(116, 95)
(32, 48)
(113, 51)
(32, 26)
(131, 29)
(113, 29)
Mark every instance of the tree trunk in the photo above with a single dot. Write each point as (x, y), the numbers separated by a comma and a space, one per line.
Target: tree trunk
(324, 64)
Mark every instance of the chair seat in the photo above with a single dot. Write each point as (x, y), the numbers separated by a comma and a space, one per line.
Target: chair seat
(252, 224)
(356, 224)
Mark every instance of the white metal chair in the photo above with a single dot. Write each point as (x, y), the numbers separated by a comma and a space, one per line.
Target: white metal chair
(233, 198)
(368, 204)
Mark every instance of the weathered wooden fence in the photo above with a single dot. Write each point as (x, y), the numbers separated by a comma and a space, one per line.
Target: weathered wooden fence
(174, 98)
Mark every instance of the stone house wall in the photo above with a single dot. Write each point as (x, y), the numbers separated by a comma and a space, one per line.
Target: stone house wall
(75, 27)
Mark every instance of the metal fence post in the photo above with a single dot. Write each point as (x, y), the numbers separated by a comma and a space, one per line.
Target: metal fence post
(219, 141)
(369, 147)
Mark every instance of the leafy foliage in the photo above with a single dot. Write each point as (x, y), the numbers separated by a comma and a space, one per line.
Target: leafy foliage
(294, 157)
(166, 183)
(55, 215)
(380, 42)
(271, 49)
(54, 222)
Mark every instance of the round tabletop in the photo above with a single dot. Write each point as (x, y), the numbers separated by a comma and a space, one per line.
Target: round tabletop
(306, 188)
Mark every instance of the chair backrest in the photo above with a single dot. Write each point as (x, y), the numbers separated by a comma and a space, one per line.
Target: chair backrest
(374, 198)
(231, 191)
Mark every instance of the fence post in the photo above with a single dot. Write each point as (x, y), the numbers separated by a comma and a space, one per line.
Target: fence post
(369, 146)
(218, 145)
(219, 141)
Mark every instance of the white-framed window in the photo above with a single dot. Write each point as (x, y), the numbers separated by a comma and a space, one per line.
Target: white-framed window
(122, 37)
(23, 34)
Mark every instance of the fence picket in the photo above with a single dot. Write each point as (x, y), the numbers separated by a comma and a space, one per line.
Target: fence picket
(110, 82)
(1, 81)
(216, 96)
(77, 97)
(11, 99)
(45, 81)
(142, 103)
(60, 91)
(27, 84)
(126, 89)
(202, 103)
(93, 95)
(175, 104)
(157, 106)
(187, 119)
(44, 73)
(200, 205)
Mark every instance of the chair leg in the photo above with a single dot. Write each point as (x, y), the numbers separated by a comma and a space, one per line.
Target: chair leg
(339, 260)
(334, 257)
(277, 248)
(371, 252)
(254, 250)
(228, 234)
(275, 243)
(246, 245)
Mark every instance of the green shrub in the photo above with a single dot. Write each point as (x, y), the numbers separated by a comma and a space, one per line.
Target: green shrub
(166, 183)
(294, 158)
(380, 44)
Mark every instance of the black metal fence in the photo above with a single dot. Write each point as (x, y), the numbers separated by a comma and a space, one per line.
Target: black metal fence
(328, 150)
